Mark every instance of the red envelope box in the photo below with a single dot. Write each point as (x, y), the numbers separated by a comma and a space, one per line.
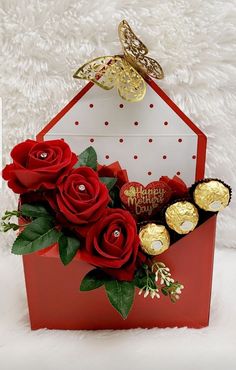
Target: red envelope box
(55, 301)
(150, 139)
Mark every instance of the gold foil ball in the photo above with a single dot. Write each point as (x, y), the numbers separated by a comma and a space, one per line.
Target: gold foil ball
(154, 239)
(211, 196)
(182, 217)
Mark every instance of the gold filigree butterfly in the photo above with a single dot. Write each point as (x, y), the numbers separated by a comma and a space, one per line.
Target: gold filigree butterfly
(125, 72)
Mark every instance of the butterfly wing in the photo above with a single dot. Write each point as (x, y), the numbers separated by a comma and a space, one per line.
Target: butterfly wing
(149, 67)
(130, 84)
(132, 46)
(110, 71)
(135, 52)
(99, 71)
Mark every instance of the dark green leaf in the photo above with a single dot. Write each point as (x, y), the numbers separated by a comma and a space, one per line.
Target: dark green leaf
(39, 234)
(142, 277)
(140, 281)
(120, 295)
(115, 197)
(88, 158)
(93, 280)
(108, 181)
(68, 247)
(33, 211)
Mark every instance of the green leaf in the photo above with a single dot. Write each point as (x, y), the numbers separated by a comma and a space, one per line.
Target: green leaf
(87, 158)
(120, 295)
(68, 247)
(108, 181)
(33, 211)
(39, 234)
(115, 198)
(93, 280)
(144, 277)
(140, 281)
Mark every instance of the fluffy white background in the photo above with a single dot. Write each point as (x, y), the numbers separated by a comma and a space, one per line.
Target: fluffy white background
(43, 42)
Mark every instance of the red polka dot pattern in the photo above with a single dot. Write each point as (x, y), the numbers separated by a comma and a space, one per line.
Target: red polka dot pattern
(101, 126)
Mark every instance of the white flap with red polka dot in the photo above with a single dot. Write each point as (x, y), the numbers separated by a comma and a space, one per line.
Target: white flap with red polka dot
(151, 138)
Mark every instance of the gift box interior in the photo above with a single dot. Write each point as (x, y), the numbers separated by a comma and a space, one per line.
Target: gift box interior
(150, 139)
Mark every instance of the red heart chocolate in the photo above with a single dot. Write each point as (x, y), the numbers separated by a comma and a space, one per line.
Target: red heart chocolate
(145, 201)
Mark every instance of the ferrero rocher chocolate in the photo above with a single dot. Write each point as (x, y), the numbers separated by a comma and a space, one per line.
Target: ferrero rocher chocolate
(182, 217)
(211, 195)
(154, 239)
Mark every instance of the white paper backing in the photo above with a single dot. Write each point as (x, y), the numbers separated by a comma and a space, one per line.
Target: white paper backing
(148, 138)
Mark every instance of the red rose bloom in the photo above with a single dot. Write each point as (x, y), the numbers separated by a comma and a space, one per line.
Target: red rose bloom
(80, 198)
(112, 244)
(38, 165)
(178, 186)
(114, 170)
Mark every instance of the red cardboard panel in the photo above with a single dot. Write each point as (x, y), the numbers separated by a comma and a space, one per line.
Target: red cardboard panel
(55, 301)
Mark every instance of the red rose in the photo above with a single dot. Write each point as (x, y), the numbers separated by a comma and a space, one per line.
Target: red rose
(80, 198)
(112, 244)
(178, 186)
(114, 170)
(38, 165)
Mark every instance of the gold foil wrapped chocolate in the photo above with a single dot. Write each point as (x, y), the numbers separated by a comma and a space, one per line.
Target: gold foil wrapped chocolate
(182, 217)
(211, 195)
(154, 239)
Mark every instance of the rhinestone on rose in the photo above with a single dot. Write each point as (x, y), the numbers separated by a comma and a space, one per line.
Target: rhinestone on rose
(81, 187)
(116, 233)
(43, 155)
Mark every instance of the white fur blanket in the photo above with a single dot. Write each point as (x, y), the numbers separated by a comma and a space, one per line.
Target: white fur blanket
(42, 43)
